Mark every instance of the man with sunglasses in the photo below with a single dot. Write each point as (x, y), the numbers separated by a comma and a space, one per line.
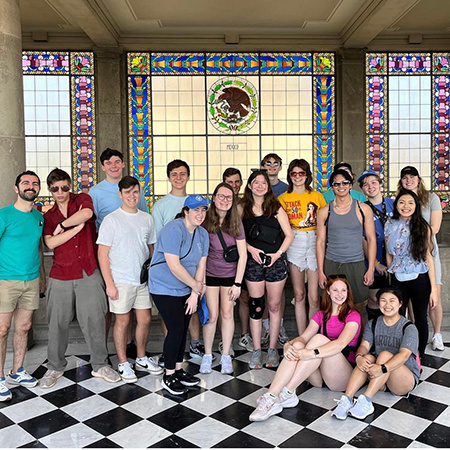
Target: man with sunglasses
(339, 245)
(329, 195)
(21, 277)
(75, 285)
(273, 164)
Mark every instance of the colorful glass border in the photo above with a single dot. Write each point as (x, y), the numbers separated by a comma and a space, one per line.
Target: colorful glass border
(80, 67)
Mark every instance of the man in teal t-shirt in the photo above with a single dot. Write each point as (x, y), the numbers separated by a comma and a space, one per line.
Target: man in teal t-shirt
(20, 267)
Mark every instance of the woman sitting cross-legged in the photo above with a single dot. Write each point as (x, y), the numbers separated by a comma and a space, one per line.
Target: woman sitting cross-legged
(386, 357)
(325, 352)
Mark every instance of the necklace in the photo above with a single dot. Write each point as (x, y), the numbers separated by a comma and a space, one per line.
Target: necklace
(343, 208)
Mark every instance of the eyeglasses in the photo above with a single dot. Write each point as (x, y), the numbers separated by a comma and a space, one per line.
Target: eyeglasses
(339, 183)
(228, 198)
(337, 277)
(270, 163)
(298, 174)
(55, 189)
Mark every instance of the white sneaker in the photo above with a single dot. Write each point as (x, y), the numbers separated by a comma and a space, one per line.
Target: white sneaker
(149, 365)
(437, 342)
(265, 338)
(267, 406)
(5, 393)
(361, 408)
(221, 349)
(343, 406)
(288, 400)
(246, 341)
(21, 378)
(227, 365)
(205, 366)
(126, 372)
(282, 336)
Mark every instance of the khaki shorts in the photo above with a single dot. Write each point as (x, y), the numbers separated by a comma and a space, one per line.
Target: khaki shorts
(130, 297)
(18, 294)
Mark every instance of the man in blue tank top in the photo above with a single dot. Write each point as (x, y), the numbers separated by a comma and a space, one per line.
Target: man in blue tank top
(340, 227)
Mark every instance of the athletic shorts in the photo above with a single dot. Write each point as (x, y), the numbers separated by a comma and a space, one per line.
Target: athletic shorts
(19, 294)
(302, 251)
(130, 297)
(256, 272)
(354, 272)
(217, 281)
(379, 282)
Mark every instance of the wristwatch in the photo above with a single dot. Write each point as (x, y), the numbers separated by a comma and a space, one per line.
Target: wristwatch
(62, 226)
(384, 368)
(237, 284)
(316, 352)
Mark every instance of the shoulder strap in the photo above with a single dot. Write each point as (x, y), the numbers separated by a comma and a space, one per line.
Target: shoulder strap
(221, 239)
(374, 324)
(324, 326)
(380, 214)
(189, 251)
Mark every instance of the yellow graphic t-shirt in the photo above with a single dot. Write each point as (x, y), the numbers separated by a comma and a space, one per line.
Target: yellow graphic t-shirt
(302, 209)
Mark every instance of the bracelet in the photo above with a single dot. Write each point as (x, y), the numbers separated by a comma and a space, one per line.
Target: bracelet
(237, 284)
(377, 262)
(358, 354)
(62, 226)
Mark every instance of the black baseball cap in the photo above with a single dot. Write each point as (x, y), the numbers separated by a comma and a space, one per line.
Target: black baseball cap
(341, 165)
(409, 170)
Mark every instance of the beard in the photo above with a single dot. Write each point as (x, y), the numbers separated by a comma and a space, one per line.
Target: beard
(29, 195)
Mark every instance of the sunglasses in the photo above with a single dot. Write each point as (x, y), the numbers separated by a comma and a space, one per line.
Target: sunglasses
(270, 163)
(64, 188)
(339, 183)
(337, 276)
(228, 198)
(297, 174)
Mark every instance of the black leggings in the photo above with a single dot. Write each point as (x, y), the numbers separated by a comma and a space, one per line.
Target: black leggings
(418, 291)
(173, 312)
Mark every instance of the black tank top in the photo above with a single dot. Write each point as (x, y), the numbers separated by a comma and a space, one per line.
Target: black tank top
(266, 227)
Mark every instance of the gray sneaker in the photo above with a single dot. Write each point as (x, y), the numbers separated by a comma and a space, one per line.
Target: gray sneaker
(342, 408)
(227, 365)
(273, 358)
(246, 341)
(221, 349)
(107, 373)
(362, 408)
(256, 360)
(265, 338)
(50, 378)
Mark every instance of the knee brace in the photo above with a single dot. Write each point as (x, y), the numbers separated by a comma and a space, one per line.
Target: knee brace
(256, 307)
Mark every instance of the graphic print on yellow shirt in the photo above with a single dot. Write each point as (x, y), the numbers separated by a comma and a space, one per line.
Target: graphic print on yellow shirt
(302, 209)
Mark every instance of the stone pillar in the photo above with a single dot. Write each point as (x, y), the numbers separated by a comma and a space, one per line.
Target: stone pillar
(351, 108)
(12, 141)
(109, 103)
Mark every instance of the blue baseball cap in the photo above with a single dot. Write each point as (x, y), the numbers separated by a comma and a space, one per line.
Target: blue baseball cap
(195, 201)
(366, 173)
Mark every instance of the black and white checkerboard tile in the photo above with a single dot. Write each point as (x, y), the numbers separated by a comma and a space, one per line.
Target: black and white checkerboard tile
(83, 411)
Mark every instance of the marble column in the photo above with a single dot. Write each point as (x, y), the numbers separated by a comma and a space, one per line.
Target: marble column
(351, 108)
(110, 102)
(12, 141)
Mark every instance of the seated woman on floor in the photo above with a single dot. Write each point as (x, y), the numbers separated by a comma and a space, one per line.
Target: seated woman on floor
(325, 352)
(387, 356)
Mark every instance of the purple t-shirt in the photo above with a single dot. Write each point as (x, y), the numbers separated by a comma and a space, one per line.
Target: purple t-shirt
(216, 266)
(335, 327)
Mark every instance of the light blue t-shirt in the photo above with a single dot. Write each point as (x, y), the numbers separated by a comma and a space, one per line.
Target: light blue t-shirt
(330, 195)
(105, 196)
(20, 233)
(165, 210)
(176, 240)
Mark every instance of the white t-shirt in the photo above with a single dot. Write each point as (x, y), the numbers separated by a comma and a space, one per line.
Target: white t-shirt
(128, 235)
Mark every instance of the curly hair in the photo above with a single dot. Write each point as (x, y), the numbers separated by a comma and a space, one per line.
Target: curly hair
(232, 221)
(326, 304)
(303, 164)
(420, 232)
(270, 205)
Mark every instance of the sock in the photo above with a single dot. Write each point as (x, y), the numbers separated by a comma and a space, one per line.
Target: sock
(265, 324)
(369, 399)
(140, 359)
(282, 321)
(287, 391)
(350, 398)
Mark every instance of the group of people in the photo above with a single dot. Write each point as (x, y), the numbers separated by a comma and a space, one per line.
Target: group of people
(228, 249)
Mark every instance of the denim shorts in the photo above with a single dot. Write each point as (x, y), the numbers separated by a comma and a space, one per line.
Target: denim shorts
(302, 252)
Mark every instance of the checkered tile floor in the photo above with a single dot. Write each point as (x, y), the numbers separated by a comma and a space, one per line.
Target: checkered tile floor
(82, 411)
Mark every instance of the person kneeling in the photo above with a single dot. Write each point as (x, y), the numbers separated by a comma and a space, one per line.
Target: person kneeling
(387, 356)
(325, 352)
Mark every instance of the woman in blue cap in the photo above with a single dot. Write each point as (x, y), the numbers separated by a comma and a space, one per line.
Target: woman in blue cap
(176, 281)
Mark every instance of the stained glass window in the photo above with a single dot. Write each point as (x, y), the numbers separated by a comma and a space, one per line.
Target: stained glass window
(216, 110)
(407, 116)
(59, 106)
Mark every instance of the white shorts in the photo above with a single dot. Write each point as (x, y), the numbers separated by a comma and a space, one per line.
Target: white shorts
(130, 297)
(302, 252)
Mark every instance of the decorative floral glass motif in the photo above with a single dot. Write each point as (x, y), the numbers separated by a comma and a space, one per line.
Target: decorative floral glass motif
(216, 110)
(416, 131)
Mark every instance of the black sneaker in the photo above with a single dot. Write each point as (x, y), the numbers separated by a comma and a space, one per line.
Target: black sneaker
(196, 350)
(161, 361)
(173, 385)
(186, 378)
(131, 350)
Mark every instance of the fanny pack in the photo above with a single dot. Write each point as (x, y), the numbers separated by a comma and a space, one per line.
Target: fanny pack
(230, 254)
(264, 233)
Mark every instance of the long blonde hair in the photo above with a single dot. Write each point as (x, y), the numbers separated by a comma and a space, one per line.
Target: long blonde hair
(422, 192)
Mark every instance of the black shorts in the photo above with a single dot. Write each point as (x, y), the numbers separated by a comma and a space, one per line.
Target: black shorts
(256, 272)
(379, 282)
(217, 281)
